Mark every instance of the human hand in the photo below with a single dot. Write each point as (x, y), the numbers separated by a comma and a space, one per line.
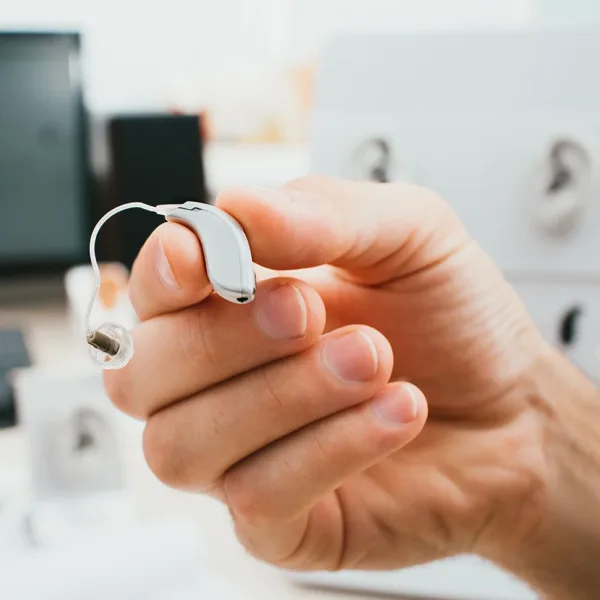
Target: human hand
(295, 410)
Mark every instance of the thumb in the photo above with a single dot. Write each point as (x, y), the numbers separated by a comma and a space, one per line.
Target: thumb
(376, 231)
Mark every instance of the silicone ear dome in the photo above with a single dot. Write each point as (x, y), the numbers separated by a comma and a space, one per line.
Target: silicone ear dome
(111, 346)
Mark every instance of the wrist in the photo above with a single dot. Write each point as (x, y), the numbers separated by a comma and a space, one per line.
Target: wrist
(559, 550)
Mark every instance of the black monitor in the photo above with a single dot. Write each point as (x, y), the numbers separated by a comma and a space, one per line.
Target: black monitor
(44, 191)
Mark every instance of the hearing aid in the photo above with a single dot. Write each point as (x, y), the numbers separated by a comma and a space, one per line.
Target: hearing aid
(227, 257)
(226, 250)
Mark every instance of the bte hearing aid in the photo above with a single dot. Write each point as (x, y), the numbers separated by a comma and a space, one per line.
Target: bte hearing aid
(227, 257)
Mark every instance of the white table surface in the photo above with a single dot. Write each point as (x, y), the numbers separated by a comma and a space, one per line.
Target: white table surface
(48, 339)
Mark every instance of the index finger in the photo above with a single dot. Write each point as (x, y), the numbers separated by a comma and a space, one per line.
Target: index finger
(377, 232)
(169, 273)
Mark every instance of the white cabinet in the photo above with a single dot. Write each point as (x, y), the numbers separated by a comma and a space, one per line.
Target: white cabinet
(478, 118)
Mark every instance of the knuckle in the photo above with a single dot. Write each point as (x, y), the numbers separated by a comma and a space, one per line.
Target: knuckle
(424, 194)
(310, 183)
(162, 454)
(423, 197)
(271, 396)
(432, 203)
(195, 338)
(246, 503)
(319, 444)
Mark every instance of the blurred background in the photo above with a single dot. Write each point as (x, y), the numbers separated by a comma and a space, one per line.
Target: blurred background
(248, 64)
(103, 103)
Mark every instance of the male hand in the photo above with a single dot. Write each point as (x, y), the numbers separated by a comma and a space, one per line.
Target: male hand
(296, 410)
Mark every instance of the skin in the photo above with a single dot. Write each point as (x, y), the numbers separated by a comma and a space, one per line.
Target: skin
(296, 410)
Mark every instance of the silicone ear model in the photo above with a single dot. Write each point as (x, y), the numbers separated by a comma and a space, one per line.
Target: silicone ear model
(226, 250)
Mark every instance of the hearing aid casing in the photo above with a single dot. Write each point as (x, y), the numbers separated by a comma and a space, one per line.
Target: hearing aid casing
(226, 250)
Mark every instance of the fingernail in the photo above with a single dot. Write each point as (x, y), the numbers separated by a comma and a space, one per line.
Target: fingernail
(398, 405)
(351, 357)
(164, 270)
(281, 312)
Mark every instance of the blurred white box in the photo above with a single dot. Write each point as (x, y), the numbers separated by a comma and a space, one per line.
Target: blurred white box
(162, 560)
(71, 430)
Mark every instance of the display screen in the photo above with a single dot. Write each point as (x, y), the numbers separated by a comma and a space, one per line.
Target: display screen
(42, 166)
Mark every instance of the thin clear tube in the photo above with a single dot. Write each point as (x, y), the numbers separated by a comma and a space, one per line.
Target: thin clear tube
(119, 338)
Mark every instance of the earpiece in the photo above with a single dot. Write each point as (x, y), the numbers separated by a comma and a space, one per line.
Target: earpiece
(227, 258)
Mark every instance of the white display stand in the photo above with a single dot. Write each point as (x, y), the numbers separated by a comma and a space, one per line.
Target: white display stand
(570, 11)
(473, 116)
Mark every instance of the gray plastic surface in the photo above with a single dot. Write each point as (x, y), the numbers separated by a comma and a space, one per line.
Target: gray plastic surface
(226, 250)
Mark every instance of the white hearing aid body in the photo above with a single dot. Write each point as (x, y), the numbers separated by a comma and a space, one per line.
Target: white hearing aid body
(226, 250)
(227, 258)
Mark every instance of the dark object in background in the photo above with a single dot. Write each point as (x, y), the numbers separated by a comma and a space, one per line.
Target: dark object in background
(44, 166)
(569, 326)
(380, 171)
(156, 159)
(13, 355)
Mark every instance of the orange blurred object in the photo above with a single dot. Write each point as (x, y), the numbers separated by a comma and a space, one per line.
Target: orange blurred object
(303, 82)
(113, 282)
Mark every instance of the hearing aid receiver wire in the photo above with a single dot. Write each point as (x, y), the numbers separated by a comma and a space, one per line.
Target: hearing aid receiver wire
(106, 338)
